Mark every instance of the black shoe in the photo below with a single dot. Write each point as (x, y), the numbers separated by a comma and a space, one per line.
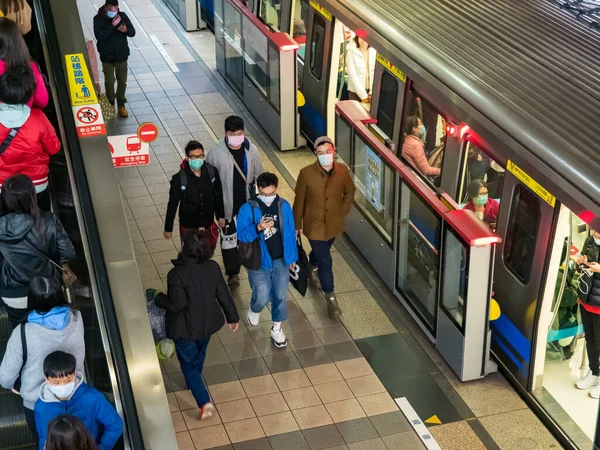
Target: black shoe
(233, 280)
(333, 308)
(314, 277)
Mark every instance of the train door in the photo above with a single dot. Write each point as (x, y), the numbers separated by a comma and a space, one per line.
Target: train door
(560, 357)
(525, 221)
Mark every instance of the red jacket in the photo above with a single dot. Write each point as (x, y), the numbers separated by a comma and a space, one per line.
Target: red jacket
(29, 152)
(490, 213)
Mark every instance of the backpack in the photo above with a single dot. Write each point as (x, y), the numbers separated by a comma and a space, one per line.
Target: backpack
(183, 181)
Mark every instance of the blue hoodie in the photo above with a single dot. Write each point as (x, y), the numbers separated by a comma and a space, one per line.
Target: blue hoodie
(88, 405)
(55, 319)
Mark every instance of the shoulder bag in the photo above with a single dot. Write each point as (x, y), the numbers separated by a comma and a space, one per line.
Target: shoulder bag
(250, 252)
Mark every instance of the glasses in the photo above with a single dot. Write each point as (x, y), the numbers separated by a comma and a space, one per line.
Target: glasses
(195, 157)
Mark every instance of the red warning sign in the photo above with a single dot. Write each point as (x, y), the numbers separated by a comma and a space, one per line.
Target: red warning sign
(128, 150)
(147, 132)
(89, 121)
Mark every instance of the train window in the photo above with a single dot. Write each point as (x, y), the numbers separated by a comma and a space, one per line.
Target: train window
(521, 235)
(273, 86)
(424, 138)
(481, 175)
(317, 46)
(386, 109)
(299, 25)
(270, 13)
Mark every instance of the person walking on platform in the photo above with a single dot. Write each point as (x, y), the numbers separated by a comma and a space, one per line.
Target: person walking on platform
(196, 189)
(51, 326)
(324, 197)
(32, 243)
(197, 305)
(238, 162)
(112, 27)
(269, 218)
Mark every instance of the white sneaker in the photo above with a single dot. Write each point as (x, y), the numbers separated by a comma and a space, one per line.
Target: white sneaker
(253, 317)
(278, 338)
(588, 381)
(595, 392)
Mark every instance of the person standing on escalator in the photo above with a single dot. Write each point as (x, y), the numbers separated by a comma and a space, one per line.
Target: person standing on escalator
(112, 27)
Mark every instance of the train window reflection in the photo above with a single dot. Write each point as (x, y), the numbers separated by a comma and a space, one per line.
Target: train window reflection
(386, 109)
(299, 25)
(424, 138)
(522, 230)
(317, 46)
(481, 183)
(270, 13)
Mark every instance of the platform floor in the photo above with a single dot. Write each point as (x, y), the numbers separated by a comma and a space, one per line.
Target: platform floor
(334, 386)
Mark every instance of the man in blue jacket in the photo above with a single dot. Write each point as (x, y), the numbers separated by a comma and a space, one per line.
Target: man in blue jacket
(269, 218)
(65, 392)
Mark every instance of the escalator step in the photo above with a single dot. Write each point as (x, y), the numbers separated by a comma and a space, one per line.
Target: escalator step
(5, 328)
(13, 428)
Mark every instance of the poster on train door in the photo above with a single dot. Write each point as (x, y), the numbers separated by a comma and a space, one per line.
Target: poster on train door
(373, 179)
(128, 150)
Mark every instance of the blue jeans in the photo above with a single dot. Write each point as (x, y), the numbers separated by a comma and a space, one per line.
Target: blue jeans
(191, 356)
(270, 285)
(320, 257)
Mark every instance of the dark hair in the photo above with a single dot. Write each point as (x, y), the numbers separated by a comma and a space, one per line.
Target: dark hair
(10, 6)
(16, 87)
(234, 123)
(196, 246)
(18, 196)
(193, 145)
(357, 43)
(66, 432)
(411, 122)
(111, 3)
(13, 50)
(44, 294)
(59, 365)
(474, 186)
(267, 179)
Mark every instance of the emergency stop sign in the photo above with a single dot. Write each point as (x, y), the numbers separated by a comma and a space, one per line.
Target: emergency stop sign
(147, 132)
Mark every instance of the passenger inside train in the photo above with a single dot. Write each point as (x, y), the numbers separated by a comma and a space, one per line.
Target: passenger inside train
(484, 207)
(360, 67)
(413, 148)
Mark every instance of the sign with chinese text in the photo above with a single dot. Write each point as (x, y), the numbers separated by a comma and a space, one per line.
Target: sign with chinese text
(80, 83)
(128, 150)
(89, 121)
(373, 179)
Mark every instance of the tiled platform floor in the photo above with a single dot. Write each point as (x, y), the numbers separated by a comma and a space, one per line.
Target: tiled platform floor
(332, 387)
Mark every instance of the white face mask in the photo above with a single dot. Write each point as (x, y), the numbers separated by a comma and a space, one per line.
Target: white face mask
(597, 241)
(62, 390)
(266, 200)
(326, 160)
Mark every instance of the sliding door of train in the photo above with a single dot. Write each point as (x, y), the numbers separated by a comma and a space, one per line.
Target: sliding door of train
(526, 225)
(316, 77)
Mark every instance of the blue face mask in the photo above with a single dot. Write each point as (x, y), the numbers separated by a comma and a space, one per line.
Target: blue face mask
(422, 132)
(196, 164)
(111, 14)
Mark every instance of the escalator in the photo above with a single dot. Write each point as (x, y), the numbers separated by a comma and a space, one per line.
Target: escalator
(120, 357)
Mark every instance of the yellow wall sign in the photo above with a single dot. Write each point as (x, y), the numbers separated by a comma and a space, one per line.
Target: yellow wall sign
(392, 68)
(322, 10)
(80, 82)
(530, 183)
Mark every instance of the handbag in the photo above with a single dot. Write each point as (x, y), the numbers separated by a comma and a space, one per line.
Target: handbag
(67, 275)
(228, 233)
(108, 109)
(250, 252)
(300, 270)
(156, 315)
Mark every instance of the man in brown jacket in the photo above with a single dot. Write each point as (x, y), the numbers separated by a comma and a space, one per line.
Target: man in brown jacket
(324, 196)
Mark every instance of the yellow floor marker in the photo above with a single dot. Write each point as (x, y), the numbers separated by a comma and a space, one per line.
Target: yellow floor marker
(434, 419)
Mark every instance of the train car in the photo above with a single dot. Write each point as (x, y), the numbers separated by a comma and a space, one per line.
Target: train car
(508, 93)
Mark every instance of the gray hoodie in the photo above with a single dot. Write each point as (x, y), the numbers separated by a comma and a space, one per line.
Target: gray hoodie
(45, 336)
(220, 157)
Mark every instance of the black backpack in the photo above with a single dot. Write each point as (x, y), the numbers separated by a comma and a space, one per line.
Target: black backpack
(183, 180)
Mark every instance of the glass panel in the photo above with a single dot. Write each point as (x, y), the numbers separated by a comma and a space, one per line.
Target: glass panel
(274, 77)
(218, 13)
(374, 180)
(481, 175)
(234, 60)
(418, 265)
(455, 278)
(299, 25)
(424, 138)
(317, 46)
(343, 138)
(565, 344)
(386, 109)
(255, 45)
(270, 13)
(519, 247)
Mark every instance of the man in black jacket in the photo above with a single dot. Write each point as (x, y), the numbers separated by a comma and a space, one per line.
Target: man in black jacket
(196, 189)
(112, 28)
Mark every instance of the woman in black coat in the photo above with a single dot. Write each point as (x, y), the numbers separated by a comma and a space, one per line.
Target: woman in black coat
(198, 298)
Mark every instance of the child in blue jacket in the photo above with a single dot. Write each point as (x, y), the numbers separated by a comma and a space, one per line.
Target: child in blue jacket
(65, 392)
